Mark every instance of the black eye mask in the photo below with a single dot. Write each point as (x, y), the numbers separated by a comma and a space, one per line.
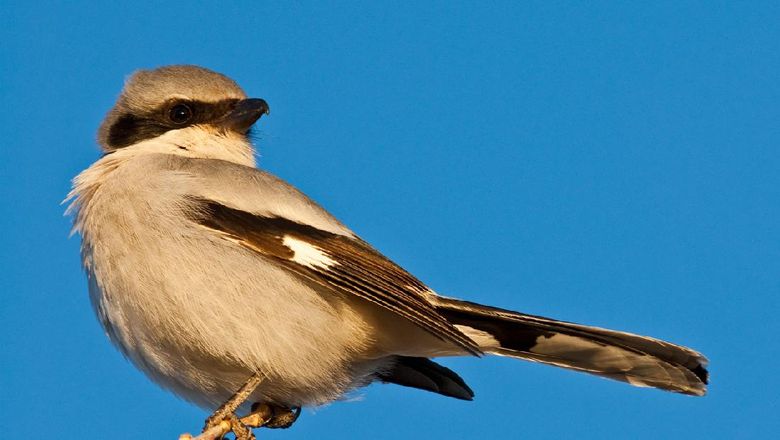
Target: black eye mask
(129, 129)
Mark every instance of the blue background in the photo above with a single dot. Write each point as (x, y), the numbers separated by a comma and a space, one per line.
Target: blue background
(606, 164)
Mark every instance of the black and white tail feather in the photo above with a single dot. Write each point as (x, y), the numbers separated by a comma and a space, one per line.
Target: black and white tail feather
(638, 360)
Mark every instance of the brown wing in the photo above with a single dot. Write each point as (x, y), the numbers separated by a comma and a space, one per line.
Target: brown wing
(345, 264)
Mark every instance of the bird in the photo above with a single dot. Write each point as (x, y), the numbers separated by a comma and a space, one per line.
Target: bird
(231, 288)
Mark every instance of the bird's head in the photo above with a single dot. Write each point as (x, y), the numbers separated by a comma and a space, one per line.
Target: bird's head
(184, 110)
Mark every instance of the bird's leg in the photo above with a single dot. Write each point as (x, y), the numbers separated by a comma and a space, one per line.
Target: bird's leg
(227, 412)
(281, 417)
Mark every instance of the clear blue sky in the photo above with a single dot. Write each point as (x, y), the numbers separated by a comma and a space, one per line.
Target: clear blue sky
(607, 164)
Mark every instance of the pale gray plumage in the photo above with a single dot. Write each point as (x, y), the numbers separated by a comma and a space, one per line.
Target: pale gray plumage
(204, 270)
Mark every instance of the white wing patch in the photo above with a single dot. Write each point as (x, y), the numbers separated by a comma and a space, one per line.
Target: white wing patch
(307, 254)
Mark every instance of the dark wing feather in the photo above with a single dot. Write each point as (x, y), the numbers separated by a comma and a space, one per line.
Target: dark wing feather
(358, 269)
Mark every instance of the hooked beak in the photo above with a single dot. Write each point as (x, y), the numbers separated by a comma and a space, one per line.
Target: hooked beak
(244, 115)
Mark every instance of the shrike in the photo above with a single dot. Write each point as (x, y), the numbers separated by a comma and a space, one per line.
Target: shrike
(206, 272)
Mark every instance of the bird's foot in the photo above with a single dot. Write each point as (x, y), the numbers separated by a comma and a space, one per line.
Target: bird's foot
(230, 423)
(242, 431)
(281, 417)
(262, 415)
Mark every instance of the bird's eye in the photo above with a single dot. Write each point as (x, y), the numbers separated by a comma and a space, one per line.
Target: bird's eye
(180, 114)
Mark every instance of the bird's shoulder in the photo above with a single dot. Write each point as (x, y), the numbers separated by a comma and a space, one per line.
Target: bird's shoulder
(247, 189)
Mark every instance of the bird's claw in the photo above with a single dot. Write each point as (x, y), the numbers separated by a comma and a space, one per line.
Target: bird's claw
(238, 428)
(281, 416)
(232, 424)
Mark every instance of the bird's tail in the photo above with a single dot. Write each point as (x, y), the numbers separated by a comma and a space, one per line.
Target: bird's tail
(638, 360)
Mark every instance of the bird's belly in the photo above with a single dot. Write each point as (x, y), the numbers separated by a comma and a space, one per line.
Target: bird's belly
(198, 314)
